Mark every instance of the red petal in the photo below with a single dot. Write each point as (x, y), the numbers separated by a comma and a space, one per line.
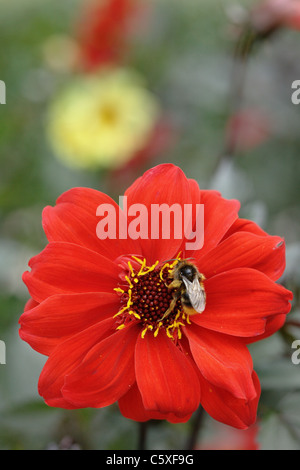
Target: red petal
(165, 377)
(74, 219)
(223, 360)
(244, 225)
(106, 373)
(164, 184)
(42, 345)
(219, 215)
(61, 316)
(245, 250)
(61, 403)
(30, 304)
(240, 301)
(67, 356)
(273, 324)
(63, 268)
(131, 406)
(224, 407)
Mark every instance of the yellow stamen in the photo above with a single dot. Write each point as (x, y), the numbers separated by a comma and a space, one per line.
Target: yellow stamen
(136, 315)
(162, 270)
(138, 260)
(143, 264)
(118, 289)
(129, 302)
(131, 269)
(171, 266)
(148, 270)
(148, 327)
(169, 334)
(120, 311)
(177, 315)
(129, 282)
(157, 329)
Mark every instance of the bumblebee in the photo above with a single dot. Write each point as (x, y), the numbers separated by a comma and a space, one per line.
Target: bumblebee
(188, 286)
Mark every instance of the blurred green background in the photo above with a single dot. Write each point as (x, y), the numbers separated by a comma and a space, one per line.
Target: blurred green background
(186, 57)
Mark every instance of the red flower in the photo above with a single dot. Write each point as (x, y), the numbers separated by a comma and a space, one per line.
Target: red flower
(247, 129)
(96, 307)
(272, 14)
(228, 438)
(103, 30)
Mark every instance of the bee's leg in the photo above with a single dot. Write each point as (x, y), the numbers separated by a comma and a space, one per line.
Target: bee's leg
(171, 308)
(174, 284)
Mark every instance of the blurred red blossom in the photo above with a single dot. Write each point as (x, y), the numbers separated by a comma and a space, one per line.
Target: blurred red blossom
(246, 130)
(272, 14)
(103, 30)
(228, 438)
(103, 34)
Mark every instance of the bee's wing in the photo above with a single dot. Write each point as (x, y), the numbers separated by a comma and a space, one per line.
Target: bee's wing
(196, 294)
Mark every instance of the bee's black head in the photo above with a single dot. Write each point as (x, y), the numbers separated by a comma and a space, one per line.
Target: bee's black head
(188, 271)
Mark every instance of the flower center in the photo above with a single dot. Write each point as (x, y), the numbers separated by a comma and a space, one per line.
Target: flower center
(146, 298)
(109, 114)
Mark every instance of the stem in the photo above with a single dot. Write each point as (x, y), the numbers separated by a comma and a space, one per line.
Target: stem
(241, 56)
(292, 323)
(142, 435)
(194, 435)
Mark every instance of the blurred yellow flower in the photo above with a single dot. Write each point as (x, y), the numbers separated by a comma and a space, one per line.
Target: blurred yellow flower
(102, 120)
